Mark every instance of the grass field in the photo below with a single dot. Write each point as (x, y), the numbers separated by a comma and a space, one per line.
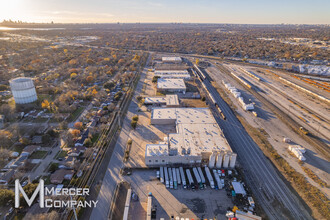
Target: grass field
(38, 154)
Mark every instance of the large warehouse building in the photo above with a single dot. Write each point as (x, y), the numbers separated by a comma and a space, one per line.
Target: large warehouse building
(174, 74)
(168, 100)
(171, 85)
(23, 90)
(171, 60)
(198, 138)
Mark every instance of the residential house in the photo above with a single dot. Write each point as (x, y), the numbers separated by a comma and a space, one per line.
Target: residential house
(62, 174)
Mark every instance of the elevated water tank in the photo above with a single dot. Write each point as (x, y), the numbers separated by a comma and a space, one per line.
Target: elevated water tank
(23, 90)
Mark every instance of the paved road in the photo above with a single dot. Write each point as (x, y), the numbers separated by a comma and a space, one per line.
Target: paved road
(45, 162)
(112, 176)
(264, 180)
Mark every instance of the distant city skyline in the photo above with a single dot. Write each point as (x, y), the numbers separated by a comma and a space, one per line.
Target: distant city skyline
(161, 11)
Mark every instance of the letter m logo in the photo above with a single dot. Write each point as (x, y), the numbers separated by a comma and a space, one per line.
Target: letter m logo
(40, 188)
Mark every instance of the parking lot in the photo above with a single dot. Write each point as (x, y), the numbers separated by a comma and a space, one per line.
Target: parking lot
(193, 204)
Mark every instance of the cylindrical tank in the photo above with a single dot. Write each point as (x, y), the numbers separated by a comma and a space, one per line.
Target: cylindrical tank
(219, 159)
(226, 160)
(212, 159)
(23, 90)
(232, 160)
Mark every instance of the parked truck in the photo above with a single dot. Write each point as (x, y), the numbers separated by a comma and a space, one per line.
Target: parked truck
(183, 178)
(217, 179)
(198, 178)
(201, 175)
(161, 171)
(190, 179)
(209, 177)
(178, 175)
(175, 181)
(170, 174)
(167, 181)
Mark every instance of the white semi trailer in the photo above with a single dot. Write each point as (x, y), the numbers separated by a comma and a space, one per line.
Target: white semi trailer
(183, 178)
(209, 177)
(167, 181)
(178, 175)
(198, 178)
(190, 179)
(170, 174)
(175, 181)
(161, 171)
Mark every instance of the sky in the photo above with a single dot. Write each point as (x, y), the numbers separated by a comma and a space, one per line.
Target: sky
(164, 11)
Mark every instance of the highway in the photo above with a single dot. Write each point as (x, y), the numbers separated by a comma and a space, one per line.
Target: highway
(262, 177)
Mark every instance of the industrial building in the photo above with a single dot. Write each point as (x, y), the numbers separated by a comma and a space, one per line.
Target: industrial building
(171, 85)
(198, 139)
(171, 60)
(23, 90)
(168, 100)
(173, 74)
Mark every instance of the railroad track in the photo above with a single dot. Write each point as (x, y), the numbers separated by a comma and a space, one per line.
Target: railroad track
(312, 139)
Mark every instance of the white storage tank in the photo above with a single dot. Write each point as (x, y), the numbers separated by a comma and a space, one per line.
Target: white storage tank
(226, 160)
(232, 160)
(219, 159)
(23, 90)
(212, 159)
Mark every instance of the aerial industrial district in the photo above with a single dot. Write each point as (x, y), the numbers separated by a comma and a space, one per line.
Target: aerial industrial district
(189, 148)
(206, 139)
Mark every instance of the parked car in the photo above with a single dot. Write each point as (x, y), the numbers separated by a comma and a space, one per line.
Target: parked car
(24, 183)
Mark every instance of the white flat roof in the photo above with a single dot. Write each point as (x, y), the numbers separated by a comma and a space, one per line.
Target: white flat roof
(172, 59)
(172, 100)
(155, 100)
(157, 149)
(173, 76)
(168, 100)
(197, 130)
(239, 189)
(164, 83)
(171, 72)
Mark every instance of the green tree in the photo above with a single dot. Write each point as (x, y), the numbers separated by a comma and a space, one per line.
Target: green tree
(5, 196)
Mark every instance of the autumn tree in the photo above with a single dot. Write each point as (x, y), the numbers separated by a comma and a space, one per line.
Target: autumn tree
(75, 132)
(89, 79)
(73, 75)
(78, 125)
(45, 104)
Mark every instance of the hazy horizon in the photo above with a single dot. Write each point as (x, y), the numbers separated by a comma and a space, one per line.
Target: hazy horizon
(159, 11)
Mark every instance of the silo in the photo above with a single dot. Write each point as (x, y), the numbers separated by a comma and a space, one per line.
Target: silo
(219, 159)
(226, 160)
(212, 159)
(232, 160)
(23, 90)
